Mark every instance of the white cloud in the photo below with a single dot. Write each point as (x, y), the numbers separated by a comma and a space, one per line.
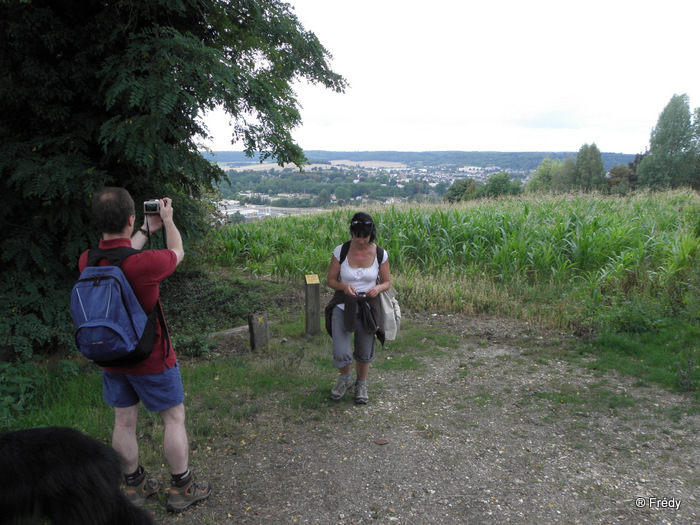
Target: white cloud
(504, 75)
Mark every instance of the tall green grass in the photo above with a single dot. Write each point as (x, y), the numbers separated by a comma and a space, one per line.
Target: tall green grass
(626, 268)
(561, 260)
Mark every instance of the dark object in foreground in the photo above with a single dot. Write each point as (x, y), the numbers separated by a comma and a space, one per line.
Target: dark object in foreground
(64, 476)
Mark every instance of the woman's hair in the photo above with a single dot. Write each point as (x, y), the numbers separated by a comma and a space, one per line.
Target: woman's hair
(362, 225)
(111, 209)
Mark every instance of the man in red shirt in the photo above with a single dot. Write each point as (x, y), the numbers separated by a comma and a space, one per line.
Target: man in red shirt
(155, 381)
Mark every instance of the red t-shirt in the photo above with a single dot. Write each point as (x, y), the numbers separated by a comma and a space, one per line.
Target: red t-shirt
(144, 271)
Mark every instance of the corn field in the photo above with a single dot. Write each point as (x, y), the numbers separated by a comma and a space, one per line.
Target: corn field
(553, 259)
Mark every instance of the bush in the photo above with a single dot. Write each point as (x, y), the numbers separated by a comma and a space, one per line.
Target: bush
(19, 383)
(197, 302)
(195, 346)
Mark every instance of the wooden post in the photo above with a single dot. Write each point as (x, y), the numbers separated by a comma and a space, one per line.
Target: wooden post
(313, 304)
(259, 336)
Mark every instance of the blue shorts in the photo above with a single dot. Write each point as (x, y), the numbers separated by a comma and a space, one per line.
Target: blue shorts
(156, 391)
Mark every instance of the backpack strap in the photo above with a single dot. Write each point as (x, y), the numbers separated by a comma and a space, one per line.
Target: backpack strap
(163, 327)
(115, 256)
(380, 255)
(344, 251)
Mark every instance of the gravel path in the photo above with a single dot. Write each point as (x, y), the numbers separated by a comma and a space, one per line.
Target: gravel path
(503, 430)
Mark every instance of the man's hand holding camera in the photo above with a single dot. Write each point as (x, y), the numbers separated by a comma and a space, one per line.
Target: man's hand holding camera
(156, 212)
(173, 240)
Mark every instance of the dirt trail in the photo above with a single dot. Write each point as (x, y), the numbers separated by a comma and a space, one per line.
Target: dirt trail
(499, 431)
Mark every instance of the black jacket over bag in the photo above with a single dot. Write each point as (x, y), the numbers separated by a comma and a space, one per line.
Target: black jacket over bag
(368, 310)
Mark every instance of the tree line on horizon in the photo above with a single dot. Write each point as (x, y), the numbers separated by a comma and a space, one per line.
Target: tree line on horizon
(671, 161)
(507, 160)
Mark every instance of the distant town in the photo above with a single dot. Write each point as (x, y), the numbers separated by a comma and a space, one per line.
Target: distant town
(257, 190)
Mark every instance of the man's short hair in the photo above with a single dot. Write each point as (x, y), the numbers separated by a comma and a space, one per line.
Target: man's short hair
(111, 209)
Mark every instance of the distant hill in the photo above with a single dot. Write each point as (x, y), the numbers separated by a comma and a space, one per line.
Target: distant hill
(520, 161)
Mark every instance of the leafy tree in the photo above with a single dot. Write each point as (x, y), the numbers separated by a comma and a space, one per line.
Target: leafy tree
(590, 171)
(112, 93)
(343, 193)
(633, 166)
(541, 180)
(620, 179)
(440, 188)
(695, 150)
(500, 184)
(236, 218)
(671, 160)
(564, 175)
(460, 190)
(324, 196)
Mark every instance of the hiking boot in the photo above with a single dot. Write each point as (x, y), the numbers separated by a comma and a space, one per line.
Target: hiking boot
(140, 488)
(341, 386)
(361, 393)
(185, 492)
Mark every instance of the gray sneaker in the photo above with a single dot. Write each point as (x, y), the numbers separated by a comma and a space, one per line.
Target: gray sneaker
(361, 394)
(341, 386)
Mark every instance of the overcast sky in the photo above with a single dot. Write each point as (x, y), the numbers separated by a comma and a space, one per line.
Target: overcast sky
(498, 75)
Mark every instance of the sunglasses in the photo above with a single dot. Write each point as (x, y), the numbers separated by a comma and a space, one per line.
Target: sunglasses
(361, 223)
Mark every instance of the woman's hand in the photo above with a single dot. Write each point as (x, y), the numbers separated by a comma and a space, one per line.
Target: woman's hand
(372, 292)
(377, 289)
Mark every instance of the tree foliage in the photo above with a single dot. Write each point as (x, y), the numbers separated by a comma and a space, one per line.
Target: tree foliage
(461, 190)
(621, 179)
(672, 160)
(541, 179)
(500, 184)
(112, 93)
(590, 172)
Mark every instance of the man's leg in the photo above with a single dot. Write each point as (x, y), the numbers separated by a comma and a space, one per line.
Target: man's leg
(175, 438)
(138, 485)
(184, 489)
(124, 436)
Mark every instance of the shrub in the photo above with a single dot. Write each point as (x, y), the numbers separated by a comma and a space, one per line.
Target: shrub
(19, 383)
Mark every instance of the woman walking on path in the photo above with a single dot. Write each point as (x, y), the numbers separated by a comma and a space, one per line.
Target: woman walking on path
(359, 272)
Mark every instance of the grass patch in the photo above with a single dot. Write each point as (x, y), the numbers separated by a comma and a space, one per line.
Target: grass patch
(415, 342)
(566, 397)
(596, 397)
(70, 395)
(485, 399)
(668, 357)
(226, 385)
(399, 362)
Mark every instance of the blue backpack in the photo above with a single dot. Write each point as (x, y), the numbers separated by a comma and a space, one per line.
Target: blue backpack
(111, 327)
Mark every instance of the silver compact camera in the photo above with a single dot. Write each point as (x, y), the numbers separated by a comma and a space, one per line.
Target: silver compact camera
(151, 207)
